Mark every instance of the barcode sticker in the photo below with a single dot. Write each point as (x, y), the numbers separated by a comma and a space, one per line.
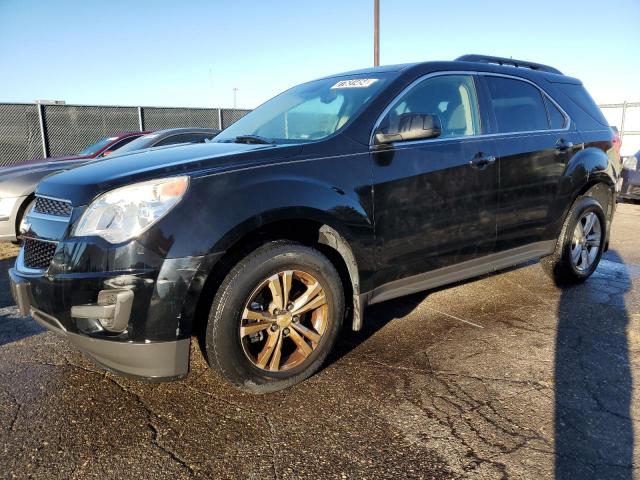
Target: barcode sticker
(355, 83)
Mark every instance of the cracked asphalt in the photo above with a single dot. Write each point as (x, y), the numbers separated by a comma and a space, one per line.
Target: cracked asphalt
(506, 376)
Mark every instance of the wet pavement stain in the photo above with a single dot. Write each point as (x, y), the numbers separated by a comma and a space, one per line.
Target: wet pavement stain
(506, 376)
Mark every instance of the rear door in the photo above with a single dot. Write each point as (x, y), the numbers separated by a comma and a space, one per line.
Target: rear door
(435, 200)
(534, 143)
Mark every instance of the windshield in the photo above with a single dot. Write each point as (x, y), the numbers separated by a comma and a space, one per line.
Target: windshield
(141, 142)
(96, 147)
(308, 112)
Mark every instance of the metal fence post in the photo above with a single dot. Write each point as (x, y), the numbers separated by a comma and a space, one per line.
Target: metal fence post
(220, 119)
(624, 114)
(43, 133)
(140, 120)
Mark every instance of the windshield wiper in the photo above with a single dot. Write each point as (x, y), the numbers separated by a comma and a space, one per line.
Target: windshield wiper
(252, 139)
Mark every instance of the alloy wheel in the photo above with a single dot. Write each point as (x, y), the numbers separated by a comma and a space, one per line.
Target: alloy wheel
(585, 243)
(284, 320)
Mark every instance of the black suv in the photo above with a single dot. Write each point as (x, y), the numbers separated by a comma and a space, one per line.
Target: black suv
(337, 194)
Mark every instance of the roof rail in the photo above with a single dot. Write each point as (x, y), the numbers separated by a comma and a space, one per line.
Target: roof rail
(508, 61)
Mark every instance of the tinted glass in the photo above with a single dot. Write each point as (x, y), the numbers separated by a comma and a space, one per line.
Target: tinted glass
(145, 141)
(113, 148)
(96, 147)
(581, 97)
(308, 112)
(183, 138)
(555, 115)
(452, 98)
(518, 105)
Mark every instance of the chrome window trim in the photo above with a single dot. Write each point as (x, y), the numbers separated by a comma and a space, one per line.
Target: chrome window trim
(463, 137)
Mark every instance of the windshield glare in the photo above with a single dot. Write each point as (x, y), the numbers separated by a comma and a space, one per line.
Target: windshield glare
(96, 147)
(308, 112)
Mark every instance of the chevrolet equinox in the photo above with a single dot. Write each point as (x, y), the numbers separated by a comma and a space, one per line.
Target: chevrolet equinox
(336, 194)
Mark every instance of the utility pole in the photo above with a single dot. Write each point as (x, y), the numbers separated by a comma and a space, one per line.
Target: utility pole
(376, 33)
(235, 92)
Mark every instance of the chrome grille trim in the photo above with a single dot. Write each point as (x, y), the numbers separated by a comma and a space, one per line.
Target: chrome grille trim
(37, 254)
(52, 207)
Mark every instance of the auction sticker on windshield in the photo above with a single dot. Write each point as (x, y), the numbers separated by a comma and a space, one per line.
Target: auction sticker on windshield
(355, 83)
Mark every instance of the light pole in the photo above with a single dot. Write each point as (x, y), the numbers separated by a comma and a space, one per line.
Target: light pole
(376, 33)
(235, 91)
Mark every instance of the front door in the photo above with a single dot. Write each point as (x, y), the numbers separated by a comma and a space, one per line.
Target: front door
(435, 200)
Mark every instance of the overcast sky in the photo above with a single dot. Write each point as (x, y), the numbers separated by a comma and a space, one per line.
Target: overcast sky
(193, 53)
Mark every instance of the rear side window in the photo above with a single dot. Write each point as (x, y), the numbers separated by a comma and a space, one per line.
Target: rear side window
(556, 118)
(581, 97)
(518, 106)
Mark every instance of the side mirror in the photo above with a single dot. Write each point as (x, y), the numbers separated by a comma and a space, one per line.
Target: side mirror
(410, 126)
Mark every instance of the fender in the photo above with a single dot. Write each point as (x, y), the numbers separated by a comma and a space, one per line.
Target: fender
(588, 168)
(337, 204)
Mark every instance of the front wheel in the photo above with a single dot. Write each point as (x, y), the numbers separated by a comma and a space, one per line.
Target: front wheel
(580, 245)
(275, 317)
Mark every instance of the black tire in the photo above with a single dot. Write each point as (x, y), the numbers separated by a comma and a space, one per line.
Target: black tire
(224, 346)
(559, 266)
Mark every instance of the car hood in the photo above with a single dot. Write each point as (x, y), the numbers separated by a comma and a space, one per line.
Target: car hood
(22, 179)
(82, 184)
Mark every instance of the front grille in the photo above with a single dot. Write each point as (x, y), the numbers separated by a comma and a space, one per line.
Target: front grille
(38, 254)
(48, 206)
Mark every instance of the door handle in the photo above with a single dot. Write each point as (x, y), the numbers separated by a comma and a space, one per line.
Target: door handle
(480, 161)
(562, 146)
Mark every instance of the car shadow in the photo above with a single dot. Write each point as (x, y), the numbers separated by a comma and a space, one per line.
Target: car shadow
(13, 327)
(593, 383)
(377, 316)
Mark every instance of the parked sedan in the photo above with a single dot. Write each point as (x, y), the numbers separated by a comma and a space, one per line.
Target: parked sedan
(171, 136)
(17, 184)
(629, 181)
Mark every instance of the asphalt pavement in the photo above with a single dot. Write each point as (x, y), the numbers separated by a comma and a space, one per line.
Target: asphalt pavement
(506, 376)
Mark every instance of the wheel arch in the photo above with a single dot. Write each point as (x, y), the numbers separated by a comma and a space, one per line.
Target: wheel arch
(307, 226)
(22, 209)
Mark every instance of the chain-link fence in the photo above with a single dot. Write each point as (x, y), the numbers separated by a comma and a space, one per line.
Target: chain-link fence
(20, 133)
(31, 131)
(625, 116)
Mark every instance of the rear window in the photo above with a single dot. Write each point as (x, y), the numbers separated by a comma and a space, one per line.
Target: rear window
(555, 115)
(518, 106)
(579, 95)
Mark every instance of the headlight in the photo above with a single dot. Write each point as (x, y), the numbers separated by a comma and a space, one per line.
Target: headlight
(630, 163)
(126, 212)
(6, 206)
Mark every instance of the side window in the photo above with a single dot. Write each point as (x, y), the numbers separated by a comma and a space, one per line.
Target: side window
(117, 145)
(452, 98)
(181, 138)
(555, 115)
(518, 105)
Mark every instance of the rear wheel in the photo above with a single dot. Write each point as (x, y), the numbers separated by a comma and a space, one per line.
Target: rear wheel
(580, 245)
(275, 317)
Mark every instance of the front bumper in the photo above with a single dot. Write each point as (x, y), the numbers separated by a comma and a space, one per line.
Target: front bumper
(152, 360)
(148, 305)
